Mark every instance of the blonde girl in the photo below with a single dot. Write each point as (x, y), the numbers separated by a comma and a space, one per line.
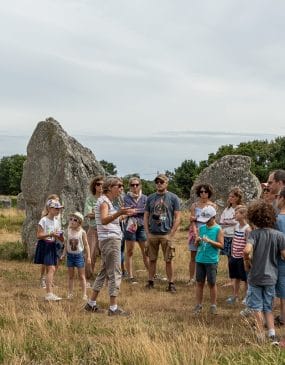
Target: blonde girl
(76, 244)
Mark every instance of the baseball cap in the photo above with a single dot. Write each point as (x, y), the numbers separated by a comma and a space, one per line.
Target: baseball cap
(77, 215)
(206, 214)
(161, 177)
(51, 203)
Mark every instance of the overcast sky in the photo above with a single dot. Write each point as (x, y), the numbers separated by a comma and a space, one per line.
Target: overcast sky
(145, 84)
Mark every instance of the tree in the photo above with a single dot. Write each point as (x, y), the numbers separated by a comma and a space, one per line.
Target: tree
(11, 171)
(109, 167)
(184, 176)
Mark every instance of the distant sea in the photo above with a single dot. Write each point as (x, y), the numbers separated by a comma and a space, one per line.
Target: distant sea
(146, 155)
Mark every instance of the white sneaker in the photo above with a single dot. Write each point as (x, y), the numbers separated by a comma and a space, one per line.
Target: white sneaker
(69, 296)
(52, 297)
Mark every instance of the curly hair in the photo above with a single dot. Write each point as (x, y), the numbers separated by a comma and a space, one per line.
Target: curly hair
(261, 214)
(208, 187)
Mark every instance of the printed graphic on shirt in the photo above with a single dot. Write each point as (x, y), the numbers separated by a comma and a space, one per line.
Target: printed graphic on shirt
(73, 242)
(159, 214)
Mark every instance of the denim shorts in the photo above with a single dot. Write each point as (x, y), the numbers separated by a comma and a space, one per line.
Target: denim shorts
(260, 298)
(75, 260)
(280, 286)
(206, 270)
(138, 236)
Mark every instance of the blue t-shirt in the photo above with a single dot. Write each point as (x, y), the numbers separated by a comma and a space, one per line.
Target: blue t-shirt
(161, 208)
(207, 253)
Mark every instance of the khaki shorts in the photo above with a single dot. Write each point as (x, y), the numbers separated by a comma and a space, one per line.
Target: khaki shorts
(152, 247)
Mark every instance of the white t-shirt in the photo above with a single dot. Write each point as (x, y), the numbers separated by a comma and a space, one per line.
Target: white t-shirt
(228, 222)
(49, 226)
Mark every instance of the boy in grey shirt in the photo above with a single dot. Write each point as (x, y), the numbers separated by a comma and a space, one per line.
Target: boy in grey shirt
(264, 246)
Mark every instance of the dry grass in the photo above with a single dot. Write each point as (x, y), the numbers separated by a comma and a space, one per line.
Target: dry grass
(161, 330)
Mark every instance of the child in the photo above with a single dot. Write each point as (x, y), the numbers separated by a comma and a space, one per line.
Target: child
(210, 240)
(265, 245)
(47, 233)
(74, 248)
(59, 245)
(280, 286)
(236, 265)
(228, 222)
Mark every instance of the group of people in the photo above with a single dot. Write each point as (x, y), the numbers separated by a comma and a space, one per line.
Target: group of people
(252, 237)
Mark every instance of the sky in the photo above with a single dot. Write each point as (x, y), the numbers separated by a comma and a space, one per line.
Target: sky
(145, 84)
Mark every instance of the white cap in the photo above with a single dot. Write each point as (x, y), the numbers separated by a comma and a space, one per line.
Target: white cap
(206, 214)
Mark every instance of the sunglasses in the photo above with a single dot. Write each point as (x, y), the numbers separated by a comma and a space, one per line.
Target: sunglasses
(160, 182)
(135, 184)
(203, 191)
(119, 185)
(73, 219)
(99, 184)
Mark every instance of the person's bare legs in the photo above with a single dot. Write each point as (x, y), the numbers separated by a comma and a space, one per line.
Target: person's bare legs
(130, 245)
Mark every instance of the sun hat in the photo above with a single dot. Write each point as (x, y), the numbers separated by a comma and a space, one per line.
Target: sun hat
(77, 215)
(52, 203)
(206, 214)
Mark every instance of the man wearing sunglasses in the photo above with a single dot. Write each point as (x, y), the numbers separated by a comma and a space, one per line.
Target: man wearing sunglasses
(161, 220)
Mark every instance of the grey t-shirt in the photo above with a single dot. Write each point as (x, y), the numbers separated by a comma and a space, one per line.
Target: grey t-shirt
(161, 208)
(267, 244)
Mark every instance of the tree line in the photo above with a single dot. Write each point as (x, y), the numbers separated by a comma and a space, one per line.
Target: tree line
(265, 156)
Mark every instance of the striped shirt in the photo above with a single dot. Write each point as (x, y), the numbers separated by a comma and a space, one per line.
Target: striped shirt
(239, 241)
(110, 230)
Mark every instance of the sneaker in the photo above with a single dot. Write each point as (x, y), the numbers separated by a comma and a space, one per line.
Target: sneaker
(159, 277)
(132, 281)
(213, 309)
(94, 308)
(69, 296)
(125, 275)
(149, 285)
(52, 297)
(247, 312)
(171, 288)
(197, 309)
(85, 297)
(274, 340)
(118, 312)
(43, 284)
(232, 300)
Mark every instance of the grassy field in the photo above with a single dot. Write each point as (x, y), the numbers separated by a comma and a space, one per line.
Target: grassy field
(161, 329)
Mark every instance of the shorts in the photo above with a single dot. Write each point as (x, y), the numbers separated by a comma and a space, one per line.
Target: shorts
(138, 236)
(236, 269)
(152, 247)
(280, 285)
(260, 298)
(206, 270)
(75, 260)
(45, 253)
(227, 246)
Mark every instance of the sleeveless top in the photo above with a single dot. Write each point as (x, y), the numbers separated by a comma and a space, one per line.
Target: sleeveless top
(74, 241)
(207, 253)
(112, 229)
(239, 241)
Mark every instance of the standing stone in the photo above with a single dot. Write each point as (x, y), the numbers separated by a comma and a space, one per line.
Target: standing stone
(226, 173)
(21, 205)
(56, 164)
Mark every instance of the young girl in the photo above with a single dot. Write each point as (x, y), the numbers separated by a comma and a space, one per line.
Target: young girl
(59, 245)
(236, 265)
(76, 243)
(204, 193)
(47, 233)
(210, 240)
(228, 222)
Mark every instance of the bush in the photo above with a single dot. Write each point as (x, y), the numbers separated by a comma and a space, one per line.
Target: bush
(13, 251)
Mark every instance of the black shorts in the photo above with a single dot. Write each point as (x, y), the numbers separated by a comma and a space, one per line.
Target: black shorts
(236, 269)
